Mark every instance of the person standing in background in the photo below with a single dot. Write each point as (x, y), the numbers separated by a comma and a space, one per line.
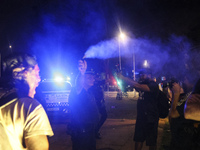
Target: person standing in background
(98, 92)
(146, 128)
(192, 106)
(184, 133)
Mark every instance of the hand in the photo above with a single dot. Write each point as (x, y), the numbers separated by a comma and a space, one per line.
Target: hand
(176, 88)
(82, 66)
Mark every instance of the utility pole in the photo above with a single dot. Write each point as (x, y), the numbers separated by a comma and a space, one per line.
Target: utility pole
(133, 67)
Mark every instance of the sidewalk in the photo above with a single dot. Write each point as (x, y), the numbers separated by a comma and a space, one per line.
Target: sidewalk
(117, 134)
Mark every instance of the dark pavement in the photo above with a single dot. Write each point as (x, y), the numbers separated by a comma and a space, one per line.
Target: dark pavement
(117, 132)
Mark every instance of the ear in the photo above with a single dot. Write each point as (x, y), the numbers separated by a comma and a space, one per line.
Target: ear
(25, 74)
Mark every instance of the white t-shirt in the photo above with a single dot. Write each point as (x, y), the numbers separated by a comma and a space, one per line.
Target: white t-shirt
(21, 119)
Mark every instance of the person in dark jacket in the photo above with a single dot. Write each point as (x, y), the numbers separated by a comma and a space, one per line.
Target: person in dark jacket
(83, 111)
(146, 128)
(100, 101)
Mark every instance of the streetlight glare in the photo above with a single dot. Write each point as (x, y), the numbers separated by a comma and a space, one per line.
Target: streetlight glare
(145, 63)
(121, 39)
(122, 35)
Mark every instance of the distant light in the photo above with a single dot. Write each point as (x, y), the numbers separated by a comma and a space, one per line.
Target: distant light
(145, 63)
(10, 46)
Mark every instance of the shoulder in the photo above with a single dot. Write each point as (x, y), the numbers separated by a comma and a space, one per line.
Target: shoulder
(153, 86)
(28, 103)
(74, 93)
(153, 83)
(196, 89)
(13, 100)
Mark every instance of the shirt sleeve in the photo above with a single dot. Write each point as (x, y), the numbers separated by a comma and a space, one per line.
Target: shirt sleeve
(180, 109)
(37, 123)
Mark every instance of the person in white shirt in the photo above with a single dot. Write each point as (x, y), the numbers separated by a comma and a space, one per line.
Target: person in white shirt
(23, 121)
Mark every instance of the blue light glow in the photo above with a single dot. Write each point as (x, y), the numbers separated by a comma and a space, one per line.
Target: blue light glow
(68, 78)
(59, 79)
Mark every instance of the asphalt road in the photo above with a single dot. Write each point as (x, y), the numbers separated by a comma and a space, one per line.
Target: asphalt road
(117, 132)
(116, 109)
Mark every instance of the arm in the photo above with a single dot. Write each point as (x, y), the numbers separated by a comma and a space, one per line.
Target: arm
(175, 97)
(80, 78)
(192, 107)
(141, 87)
(39, 142)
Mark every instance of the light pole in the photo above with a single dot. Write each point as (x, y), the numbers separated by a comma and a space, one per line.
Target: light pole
(121, 37)
(134, 66)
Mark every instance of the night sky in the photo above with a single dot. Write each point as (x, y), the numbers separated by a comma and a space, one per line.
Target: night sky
(60, 32)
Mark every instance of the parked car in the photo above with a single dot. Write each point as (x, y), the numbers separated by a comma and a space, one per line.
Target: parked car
(53, 95)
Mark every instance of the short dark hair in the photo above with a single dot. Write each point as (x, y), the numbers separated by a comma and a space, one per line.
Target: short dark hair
(21, 61)
(14, 66)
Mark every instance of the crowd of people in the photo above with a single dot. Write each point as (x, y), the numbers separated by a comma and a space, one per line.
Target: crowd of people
(183, 115)
(24, 123)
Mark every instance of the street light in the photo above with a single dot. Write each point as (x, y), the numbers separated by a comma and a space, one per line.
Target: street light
(122, 35)
(10, 47)
(134, 66)
(146, 65)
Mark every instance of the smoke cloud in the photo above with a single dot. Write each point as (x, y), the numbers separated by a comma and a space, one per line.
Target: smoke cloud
(172, 57)
(103, 50)
(68, 30)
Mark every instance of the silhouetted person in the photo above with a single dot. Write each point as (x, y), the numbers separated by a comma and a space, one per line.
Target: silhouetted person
(192, 106)
(83, 111)
(146, 128)
(100, 101)
(184, 133)
(164, 87)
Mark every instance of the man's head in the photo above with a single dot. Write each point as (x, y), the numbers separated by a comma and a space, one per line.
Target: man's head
(89, 79)
(21, 68)
(145, 75)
